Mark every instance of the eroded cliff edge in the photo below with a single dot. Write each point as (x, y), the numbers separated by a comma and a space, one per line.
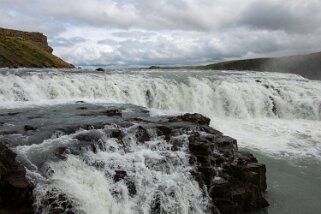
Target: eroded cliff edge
(27, 49)
(232, 180)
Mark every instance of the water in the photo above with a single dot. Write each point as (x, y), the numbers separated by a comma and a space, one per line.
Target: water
(155, 170)
(276, 116)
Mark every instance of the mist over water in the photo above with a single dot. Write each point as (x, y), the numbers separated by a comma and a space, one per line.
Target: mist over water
(278, 116)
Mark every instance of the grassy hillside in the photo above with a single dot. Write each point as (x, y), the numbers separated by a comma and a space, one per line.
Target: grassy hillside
(16, 52)
(308, 66)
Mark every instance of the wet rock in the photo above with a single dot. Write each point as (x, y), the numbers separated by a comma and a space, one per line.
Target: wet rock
(257, 173)
(29, 128)
(117, 134)
(142, 134)
(149, 98)
(233, 179)
(15, 189)
(13, 113)
(56, 202)
(122, 175)
(91, 135)
(61, 153)
(112, 112)
(82, 108)
(100, 69)
(156, 204)
(164, 131)
(193, 118)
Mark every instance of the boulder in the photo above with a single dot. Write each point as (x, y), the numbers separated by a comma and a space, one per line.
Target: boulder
(100, 69)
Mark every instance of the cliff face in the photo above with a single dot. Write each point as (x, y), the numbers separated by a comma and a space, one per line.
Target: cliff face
(27, 49)
(35, 38)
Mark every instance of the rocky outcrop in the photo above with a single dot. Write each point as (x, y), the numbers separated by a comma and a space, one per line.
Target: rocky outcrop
(15, 189)
(35, 38)
(27, 49)
(234, 180)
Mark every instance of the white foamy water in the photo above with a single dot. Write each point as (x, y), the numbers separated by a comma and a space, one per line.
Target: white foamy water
(235, 95)
(278, 115)
(160, 176)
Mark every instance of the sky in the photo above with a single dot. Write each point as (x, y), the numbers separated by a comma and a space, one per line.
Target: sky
(168, 32)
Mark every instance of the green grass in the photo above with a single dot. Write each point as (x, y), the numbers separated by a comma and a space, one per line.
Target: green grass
(16, 52)
(308, 65)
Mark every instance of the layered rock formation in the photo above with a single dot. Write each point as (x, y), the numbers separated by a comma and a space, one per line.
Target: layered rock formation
(27, 49)
(35, 38)
(233, 180)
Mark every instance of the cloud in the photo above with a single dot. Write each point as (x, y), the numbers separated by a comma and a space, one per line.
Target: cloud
(171, 32)
(63, 42)
(299, 16)
(187, 48)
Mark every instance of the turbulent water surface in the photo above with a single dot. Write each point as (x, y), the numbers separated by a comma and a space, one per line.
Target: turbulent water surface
(276, 116)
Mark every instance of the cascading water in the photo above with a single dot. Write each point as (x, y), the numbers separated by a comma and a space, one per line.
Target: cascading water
(276, 115)
(152, 170)
(220, 94)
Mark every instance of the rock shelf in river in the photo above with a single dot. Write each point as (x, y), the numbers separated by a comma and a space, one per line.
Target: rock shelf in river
(232, 181)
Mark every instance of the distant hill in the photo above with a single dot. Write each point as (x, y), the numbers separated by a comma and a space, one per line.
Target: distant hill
(308, 66)
(27, 49)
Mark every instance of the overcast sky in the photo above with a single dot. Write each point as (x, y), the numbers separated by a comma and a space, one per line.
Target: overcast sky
(168, 32)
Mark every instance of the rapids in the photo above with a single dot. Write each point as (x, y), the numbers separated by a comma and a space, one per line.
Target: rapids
(215, 94)
(278, 116)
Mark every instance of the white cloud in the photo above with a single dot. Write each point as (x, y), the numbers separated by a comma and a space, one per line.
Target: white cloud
(145, 32)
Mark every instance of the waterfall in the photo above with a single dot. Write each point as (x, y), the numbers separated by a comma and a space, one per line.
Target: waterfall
(216, 94)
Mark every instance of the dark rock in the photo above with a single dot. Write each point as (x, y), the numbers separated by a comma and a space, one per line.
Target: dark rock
(91, 135)
(112, 112)
(82, 108)
(13, 113)
(156, 204)
(120, 175)
(193, 118)
(15, 189)
(61, 153)
(141, 134)
(238, 185)
(100, 69)
(29, 128)
(117, 134)
(257, 175)
(274, 108)
(56, 202)
(149, 98)
(164, 131)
